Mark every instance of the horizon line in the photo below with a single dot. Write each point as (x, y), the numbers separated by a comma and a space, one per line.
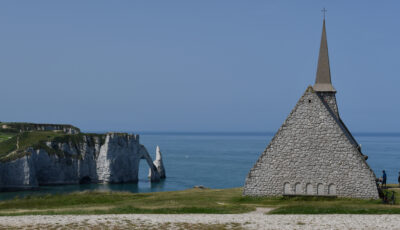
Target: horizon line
(257, 133)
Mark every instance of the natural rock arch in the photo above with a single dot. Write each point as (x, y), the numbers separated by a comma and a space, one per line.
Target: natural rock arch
(108, 158)
(119, 159)
(143, 154)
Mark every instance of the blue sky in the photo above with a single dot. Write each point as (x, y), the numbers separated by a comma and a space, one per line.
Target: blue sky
(194, 65)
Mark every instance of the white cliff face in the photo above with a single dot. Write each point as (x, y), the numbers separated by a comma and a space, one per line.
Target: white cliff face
(159, 163)
(118, 160)
(114, 160)
(18, 174)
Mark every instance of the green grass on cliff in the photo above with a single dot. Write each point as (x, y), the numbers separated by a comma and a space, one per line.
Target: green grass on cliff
(37, 140)
(16, 137)
(221, 201)
(25, 140)
(26, 126)
(5, 136)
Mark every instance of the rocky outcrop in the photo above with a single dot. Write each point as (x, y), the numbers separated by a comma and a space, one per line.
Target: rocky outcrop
(158, 163)
(109, 158)
(118, 160)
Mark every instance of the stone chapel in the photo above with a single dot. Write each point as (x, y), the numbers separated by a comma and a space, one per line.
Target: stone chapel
(313, 152)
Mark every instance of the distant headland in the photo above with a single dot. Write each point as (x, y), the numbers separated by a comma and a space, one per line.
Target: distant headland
(54, 154)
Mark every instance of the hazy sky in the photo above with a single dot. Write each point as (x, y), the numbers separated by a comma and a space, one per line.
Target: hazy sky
(195, 65)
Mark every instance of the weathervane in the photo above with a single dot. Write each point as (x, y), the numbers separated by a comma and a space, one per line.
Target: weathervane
(324, 11)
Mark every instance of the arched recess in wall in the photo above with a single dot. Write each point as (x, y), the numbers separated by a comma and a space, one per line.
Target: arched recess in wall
(320, 189)
(332, 189)
(297, 188)
(309, 189)
(286, 188)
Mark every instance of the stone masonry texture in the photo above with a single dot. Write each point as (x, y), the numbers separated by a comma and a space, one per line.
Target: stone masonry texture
(312, 153)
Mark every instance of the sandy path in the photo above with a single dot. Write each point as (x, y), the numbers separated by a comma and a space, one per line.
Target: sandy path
(254, 220)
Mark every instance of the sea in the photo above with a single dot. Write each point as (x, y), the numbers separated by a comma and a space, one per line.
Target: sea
(220, 160)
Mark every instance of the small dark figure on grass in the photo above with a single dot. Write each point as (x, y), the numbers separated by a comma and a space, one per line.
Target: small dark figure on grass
(384, 177)
(398, 179)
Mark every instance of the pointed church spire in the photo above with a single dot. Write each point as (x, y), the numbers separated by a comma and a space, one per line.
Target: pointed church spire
(323, 80)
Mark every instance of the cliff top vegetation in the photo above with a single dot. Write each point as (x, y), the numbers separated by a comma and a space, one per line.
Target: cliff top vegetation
(16, 146)
(15, 127)
(16, 138)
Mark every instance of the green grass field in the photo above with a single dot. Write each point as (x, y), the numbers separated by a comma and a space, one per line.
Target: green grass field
(5, 136)
(221, 201)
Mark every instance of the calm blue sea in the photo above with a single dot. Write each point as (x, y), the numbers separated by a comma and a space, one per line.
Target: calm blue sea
(222, 160)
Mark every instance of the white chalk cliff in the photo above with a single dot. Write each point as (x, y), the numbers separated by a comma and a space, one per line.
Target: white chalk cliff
(158, 163)
(113, 158)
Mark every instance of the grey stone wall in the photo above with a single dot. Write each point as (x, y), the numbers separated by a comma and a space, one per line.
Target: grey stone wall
(310, 154)
(330, 99)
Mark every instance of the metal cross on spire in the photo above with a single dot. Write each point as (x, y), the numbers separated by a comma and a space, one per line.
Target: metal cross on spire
(324, 11)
